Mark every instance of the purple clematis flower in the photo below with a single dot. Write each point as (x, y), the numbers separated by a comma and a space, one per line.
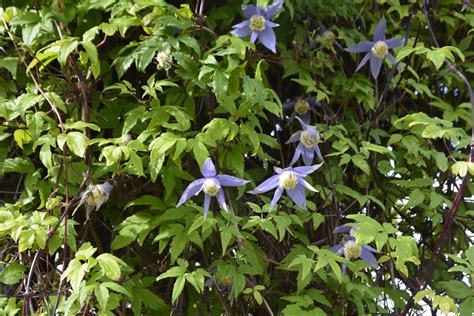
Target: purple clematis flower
(466, 3)
(211, 184)
(345, 229)
(302, 108)
(351, 249)
(309, 139)
(291, 180)
(376, 49)
(259, 25)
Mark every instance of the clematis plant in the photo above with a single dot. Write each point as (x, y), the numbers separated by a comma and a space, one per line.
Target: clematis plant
(259, 24)
(291, 180)
(211, 184)
(377, 49)
(351, 249)
(309, 139)
(302, 108)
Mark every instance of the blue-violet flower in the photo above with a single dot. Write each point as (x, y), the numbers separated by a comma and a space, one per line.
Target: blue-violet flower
(94, 197)
(291, 180)
(308, 138)
(211, 184)
(258, 24)
(351, 249)
(376, 49)
(302, 108)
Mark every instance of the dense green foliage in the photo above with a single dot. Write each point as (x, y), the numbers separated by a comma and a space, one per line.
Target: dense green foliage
(139, 93)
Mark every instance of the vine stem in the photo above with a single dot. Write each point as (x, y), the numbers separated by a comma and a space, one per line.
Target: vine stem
(422, 283)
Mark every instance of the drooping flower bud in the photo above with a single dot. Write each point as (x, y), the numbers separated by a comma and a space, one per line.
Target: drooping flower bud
(288, 180)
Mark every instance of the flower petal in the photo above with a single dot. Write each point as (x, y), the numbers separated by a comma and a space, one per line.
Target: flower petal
(272, 10)
(297, 195)
(221, 199)
(318, 153)
(394, 42)
(208, 169)
(267, 185)
(268, 39)
(294, 138)
(336, 248)
(207, 201)
(375, 65)
(364, 61)
(391, 58)
(192, 189)
(344, 269)
(367, 247)
(253, 36)
(305, 117)
(288, 104)
(368, 257)
(278, 170)
(297, 154)
(276, 197)
(271, 24)
(106, 188)
(364, 46)
(230, 181)
(302, 123)
(380, 30)
(250, 10)
(304, 171)
(242, 29)
(342, 229)
(308, 156)
(307, 185)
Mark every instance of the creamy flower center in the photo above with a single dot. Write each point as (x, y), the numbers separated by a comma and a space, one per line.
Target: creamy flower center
(288, 180)
(301, 106)
(165, 60)
(95, 196)
(352, 250)
(257, 23)
(211, 187)
(309, 140)
(380, 49)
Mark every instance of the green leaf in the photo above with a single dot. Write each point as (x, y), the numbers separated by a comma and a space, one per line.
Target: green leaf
(102, 295)
(77, 142)
(200, 152)
(93, 56)
(10, 64)
(178, 288)
(12, 273)
(110, 265)
(361, 163)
